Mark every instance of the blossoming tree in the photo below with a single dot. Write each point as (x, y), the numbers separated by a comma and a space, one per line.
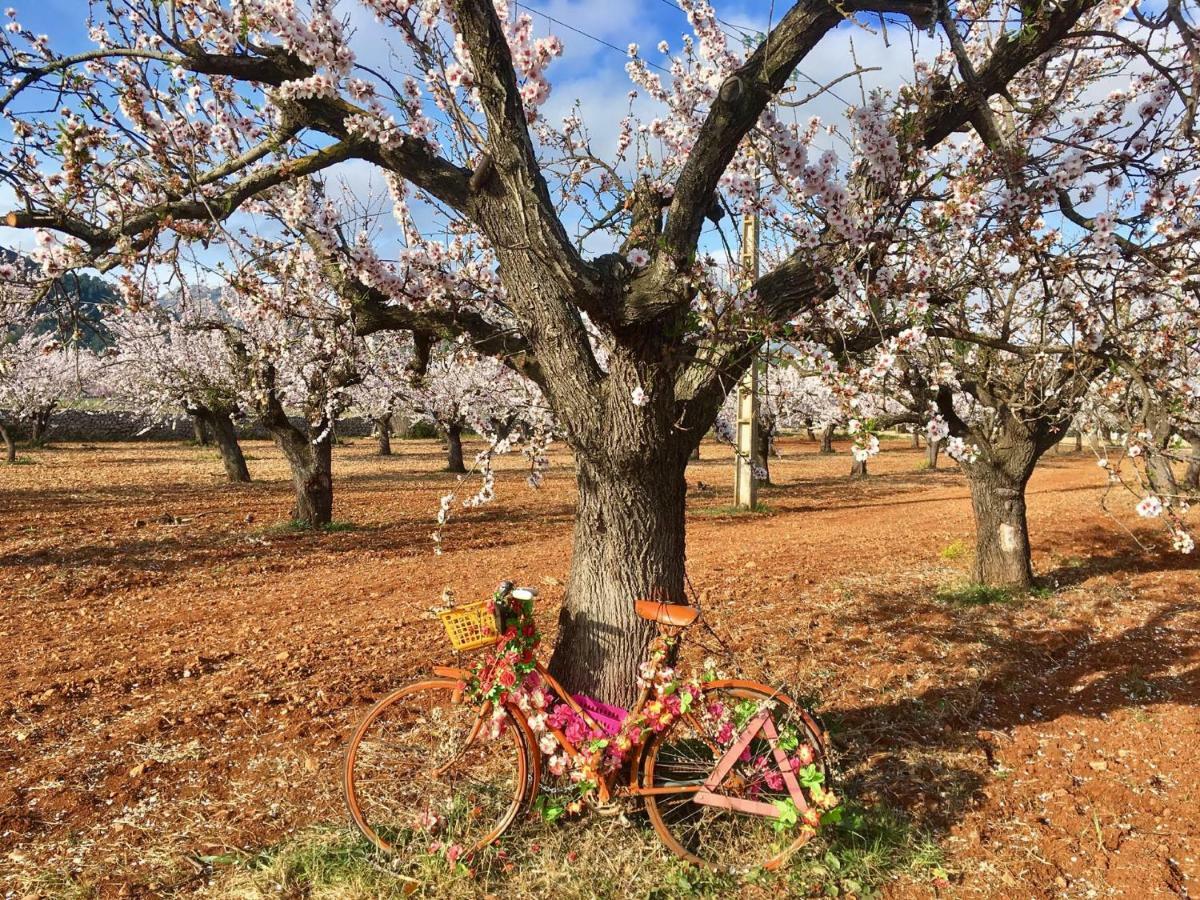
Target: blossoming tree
(387, 372)
(460, 389)
(184, 112)
(165, 361)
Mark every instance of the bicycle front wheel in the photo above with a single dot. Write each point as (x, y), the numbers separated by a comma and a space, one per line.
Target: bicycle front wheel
(716, 818)
(423, 774)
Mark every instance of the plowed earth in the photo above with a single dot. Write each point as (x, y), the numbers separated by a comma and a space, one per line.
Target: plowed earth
(178, 679)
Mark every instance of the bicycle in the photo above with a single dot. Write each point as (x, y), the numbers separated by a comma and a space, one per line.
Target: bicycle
(733, 774)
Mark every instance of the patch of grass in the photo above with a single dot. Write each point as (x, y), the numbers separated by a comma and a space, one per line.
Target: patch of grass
(975, 595)
(576, 860)
(870, 846)
(971, 594)
(759, 509)
(294, 526)
(956, 550)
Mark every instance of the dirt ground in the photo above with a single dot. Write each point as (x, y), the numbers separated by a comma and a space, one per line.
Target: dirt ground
(178, 678)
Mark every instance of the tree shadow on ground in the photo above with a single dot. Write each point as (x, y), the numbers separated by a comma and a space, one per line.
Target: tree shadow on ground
(1074, 571)
(933, 754)
(185, 549)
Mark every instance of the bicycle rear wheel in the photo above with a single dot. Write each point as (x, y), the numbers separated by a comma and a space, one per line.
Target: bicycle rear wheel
(681, 759)
(414, 784)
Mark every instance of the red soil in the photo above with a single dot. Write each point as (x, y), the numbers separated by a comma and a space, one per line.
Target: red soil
(179, 680)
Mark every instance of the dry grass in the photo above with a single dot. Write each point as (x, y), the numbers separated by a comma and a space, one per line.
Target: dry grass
(578, 860)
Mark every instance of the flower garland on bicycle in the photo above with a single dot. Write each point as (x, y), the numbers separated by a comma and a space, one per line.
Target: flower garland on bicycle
(508, 672)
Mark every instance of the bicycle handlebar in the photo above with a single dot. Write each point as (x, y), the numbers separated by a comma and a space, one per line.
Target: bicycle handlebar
(505, 589)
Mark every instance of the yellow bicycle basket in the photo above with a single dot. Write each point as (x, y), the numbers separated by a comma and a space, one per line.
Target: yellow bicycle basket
(470, 626)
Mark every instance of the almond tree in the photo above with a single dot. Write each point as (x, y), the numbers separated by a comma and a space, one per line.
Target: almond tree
(387, 373)
(183, 112)
(291, 334)
(460, 389)
(164, 361)
(37, 370)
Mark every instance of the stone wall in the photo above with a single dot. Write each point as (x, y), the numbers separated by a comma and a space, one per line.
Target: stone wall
(75, 425)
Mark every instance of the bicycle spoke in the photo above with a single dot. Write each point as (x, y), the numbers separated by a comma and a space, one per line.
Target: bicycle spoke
(689, 753)
(397, 794)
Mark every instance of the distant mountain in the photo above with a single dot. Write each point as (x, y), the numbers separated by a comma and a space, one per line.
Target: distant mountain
(75, 306)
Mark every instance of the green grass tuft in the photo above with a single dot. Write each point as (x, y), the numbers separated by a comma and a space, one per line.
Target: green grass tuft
(975, 595)
(760, 509)
(295, 526)
(870, 846)
(956, 550)
(971, 594)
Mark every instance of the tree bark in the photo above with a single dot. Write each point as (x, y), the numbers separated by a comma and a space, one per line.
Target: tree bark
(219, 424)
(629, 544)
(10, 446)
(454, 449)
(827, 439)
(200, 435)
(1161, 427)
(39, 424)
(858, 468)
(311, 462)
(696, 452)
(1079, 441)
(916, 441)
(1192, 477)
(932, 450)
(1002, 555)
(383, 428)
(808, 427)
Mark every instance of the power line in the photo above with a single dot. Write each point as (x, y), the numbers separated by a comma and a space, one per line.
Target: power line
(623, 52)
(745, 31)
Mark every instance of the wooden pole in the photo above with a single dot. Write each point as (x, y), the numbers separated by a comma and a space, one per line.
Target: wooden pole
(745, 486)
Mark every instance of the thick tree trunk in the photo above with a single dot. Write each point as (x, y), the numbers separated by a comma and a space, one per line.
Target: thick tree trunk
(916, 441)
(827, 439)
(454, 449)
(10, 446)
(1078, 441)
(1002, 556)
(858, 468)
(696, 452)
(219, 424)
(808, 427)
(199, 430)
(1192, 477)
(225, 437)
(311, 462)
(932, 450)
(383, 431)
(629, 544)
(312, 477)
(1158, 422)
(1161, 476)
